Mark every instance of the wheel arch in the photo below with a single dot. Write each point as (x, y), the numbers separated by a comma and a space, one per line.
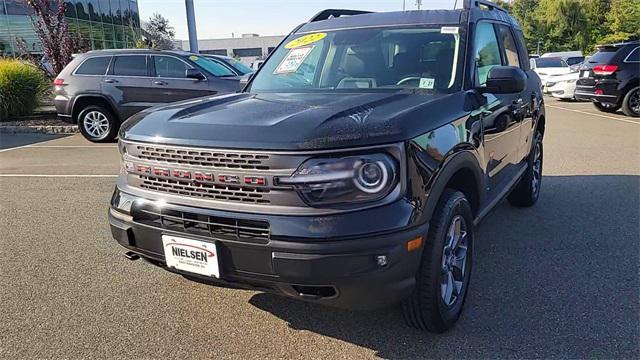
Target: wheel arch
(83, 101)
(460, 172)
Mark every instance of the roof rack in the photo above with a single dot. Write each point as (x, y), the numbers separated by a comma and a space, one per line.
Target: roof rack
(334, 13)
(474, 4)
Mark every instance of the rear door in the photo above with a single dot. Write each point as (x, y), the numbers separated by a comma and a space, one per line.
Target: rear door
(128, 84)
(170, 82)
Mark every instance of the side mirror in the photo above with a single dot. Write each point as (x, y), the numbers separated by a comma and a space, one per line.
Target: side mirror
(244, 80)
(194, 74)
(505, 80)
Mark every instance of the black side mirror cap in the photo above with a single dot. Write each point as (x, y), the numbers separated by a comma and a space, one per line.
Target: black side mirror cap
(505, 80)
(194, 74)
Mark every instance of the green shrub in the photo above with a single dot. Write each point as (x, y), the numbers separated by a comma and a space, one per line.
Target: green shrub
(22, 86)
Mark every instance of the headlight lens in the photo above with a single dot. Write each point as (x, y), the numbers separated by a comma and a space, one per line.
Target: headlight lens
(351, 179)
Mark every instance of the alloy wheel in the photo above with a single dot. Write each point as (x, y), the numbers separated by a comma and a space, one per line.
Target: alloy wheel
(96, 124)
(454, 261)
(634, 102)
(537, 169)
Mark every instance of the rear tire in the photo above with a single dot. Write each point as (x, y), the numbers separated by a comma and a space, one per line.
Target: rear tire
(631, 103)
(606, 107)
(98, 124)
(443, 277)
(527, 191)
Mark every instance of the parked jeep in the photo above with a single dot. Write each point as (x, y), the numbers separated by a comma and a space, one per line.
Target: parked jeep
(351, 170)
(101, 89)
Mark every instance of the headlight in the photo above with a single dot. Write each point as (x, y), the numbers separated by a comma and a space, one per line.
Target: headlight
(122, 148)
(351, 179)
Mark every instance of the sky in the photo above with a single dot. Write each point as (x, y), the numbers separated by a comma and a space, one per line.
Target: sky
(221, 18)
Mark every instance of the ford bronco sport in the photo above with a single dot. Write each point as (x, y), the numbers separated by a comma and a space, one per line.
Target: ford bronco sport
(352, 168)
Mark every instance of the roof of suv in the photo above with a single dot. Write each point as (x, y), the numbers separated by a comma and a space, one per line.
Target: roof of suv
(137, 51)
(473, 10)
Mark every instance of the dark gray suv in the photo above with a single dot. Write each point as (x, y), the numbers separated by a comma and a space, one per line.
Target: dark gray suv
(101, 89)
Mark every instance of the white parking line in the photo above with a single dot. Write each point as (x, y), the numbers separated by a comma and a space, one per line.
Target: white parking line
(600, 115)
(59, 175)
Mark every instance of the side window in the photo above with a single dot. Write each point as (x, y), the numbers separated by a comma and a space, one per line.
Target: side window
(634, 56)
(169, 67)
(487, 51)
(510, 48)
(94, 66)
(133, 65)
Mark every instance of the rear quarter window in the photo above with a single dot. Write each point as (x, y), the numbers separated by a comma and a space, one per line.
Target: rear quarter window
(94, 66)
(634, 55)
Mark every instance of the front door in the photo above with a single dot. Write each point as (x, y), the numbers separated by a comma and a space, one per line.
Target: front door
(170, 82)
(501, 116)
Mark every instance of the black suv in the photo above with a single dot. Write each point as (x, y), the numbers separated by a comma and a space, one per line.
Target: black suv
(352, 168)
(101, 89)
(611, 78)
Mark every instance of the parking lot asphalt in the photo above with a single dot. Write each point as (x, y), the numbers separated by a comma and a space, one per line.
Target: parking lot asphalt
(558, 280)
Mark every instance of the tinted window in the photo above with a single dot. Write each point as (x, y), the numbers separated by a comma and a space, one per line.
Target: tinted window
(94, 66)
(239, 65)
(212, 67)
(487, 53)
(550, 62)
(634, 56)
(130, 65)
(603, 56)
(169, 67)
(575, 60)
(510, 48)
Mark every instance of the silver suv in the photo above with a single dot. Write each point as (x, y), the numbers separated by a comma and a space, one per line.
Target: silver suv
(101, 89)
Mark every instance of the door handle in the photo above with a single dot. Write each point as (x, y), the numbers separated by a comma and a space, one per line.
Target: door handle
(111, 81)
(158, 82)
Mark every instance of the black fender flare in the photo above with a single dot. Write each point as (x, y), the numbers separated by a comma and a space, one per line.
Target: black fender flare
(462, 160)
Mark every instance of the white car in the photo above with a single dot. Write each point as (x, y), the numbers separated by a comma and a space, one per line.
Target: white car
(561, 86)
(549, 66)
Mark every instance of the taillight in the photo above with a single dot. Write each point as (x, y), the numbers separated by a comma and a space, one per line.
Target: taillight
(604, 69)
(58, 82)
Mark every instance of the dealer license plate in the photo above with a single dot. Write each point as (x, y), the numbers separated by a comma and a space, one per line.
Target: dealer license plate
(198, 257)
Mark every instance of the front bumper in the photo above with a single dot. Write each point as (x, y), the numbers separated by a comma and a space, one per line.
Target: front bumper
(340, 272)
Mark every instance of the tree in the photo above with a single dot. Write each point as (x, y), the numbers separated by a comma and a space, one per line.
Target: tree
(523, 11)
(52, 29)
(159, 33)
(623, 20)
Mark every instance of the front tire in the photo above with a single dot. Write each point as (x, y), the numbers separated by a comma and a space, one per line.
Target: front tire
(631, 103)
(443, 277)
(527, 191)
(606, 107)
(98, 124)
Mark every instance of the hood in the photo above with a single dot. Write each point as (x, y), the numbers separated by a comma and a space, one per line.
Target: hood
(294, 121)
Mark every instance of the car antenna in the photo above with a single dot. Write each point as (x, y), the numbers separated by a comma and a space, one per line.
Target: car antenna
(455, 3)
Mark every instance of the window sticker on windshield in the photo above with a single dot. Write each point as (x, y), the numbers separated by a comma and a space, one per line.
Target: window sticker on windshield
(193, 58)
(449, 30)
(305, 40)
(293, 60)
(426, 83)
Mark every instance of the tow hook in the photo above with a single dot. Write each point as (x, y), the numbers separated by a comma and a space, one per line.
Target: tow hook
(131, 255)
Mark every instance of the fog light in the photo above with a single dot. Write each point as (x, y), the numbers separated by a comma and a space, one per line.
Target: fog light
(382, 260)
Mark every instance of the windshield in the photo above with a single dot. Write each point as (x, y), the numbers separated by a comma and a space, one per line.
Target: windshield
(211, 66)
(238, 65)
(550, 62)
(364, 59)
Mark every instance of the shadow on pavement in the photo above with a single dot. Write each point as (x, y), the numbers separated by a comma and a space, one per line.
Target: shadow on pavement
(559, 279)
(14, 140)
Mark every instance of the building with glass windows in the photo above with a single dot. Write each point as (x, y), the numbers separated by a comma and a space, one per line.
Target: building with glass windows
(96, 24)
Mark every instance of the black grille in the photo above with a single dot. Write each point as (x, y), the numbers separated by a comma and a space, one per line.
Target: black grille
(213, 159)
(253, 231)
(243, 194)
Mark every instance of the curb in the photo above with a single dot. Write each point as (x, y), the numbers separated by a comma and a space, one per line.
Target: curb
(40, 129)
